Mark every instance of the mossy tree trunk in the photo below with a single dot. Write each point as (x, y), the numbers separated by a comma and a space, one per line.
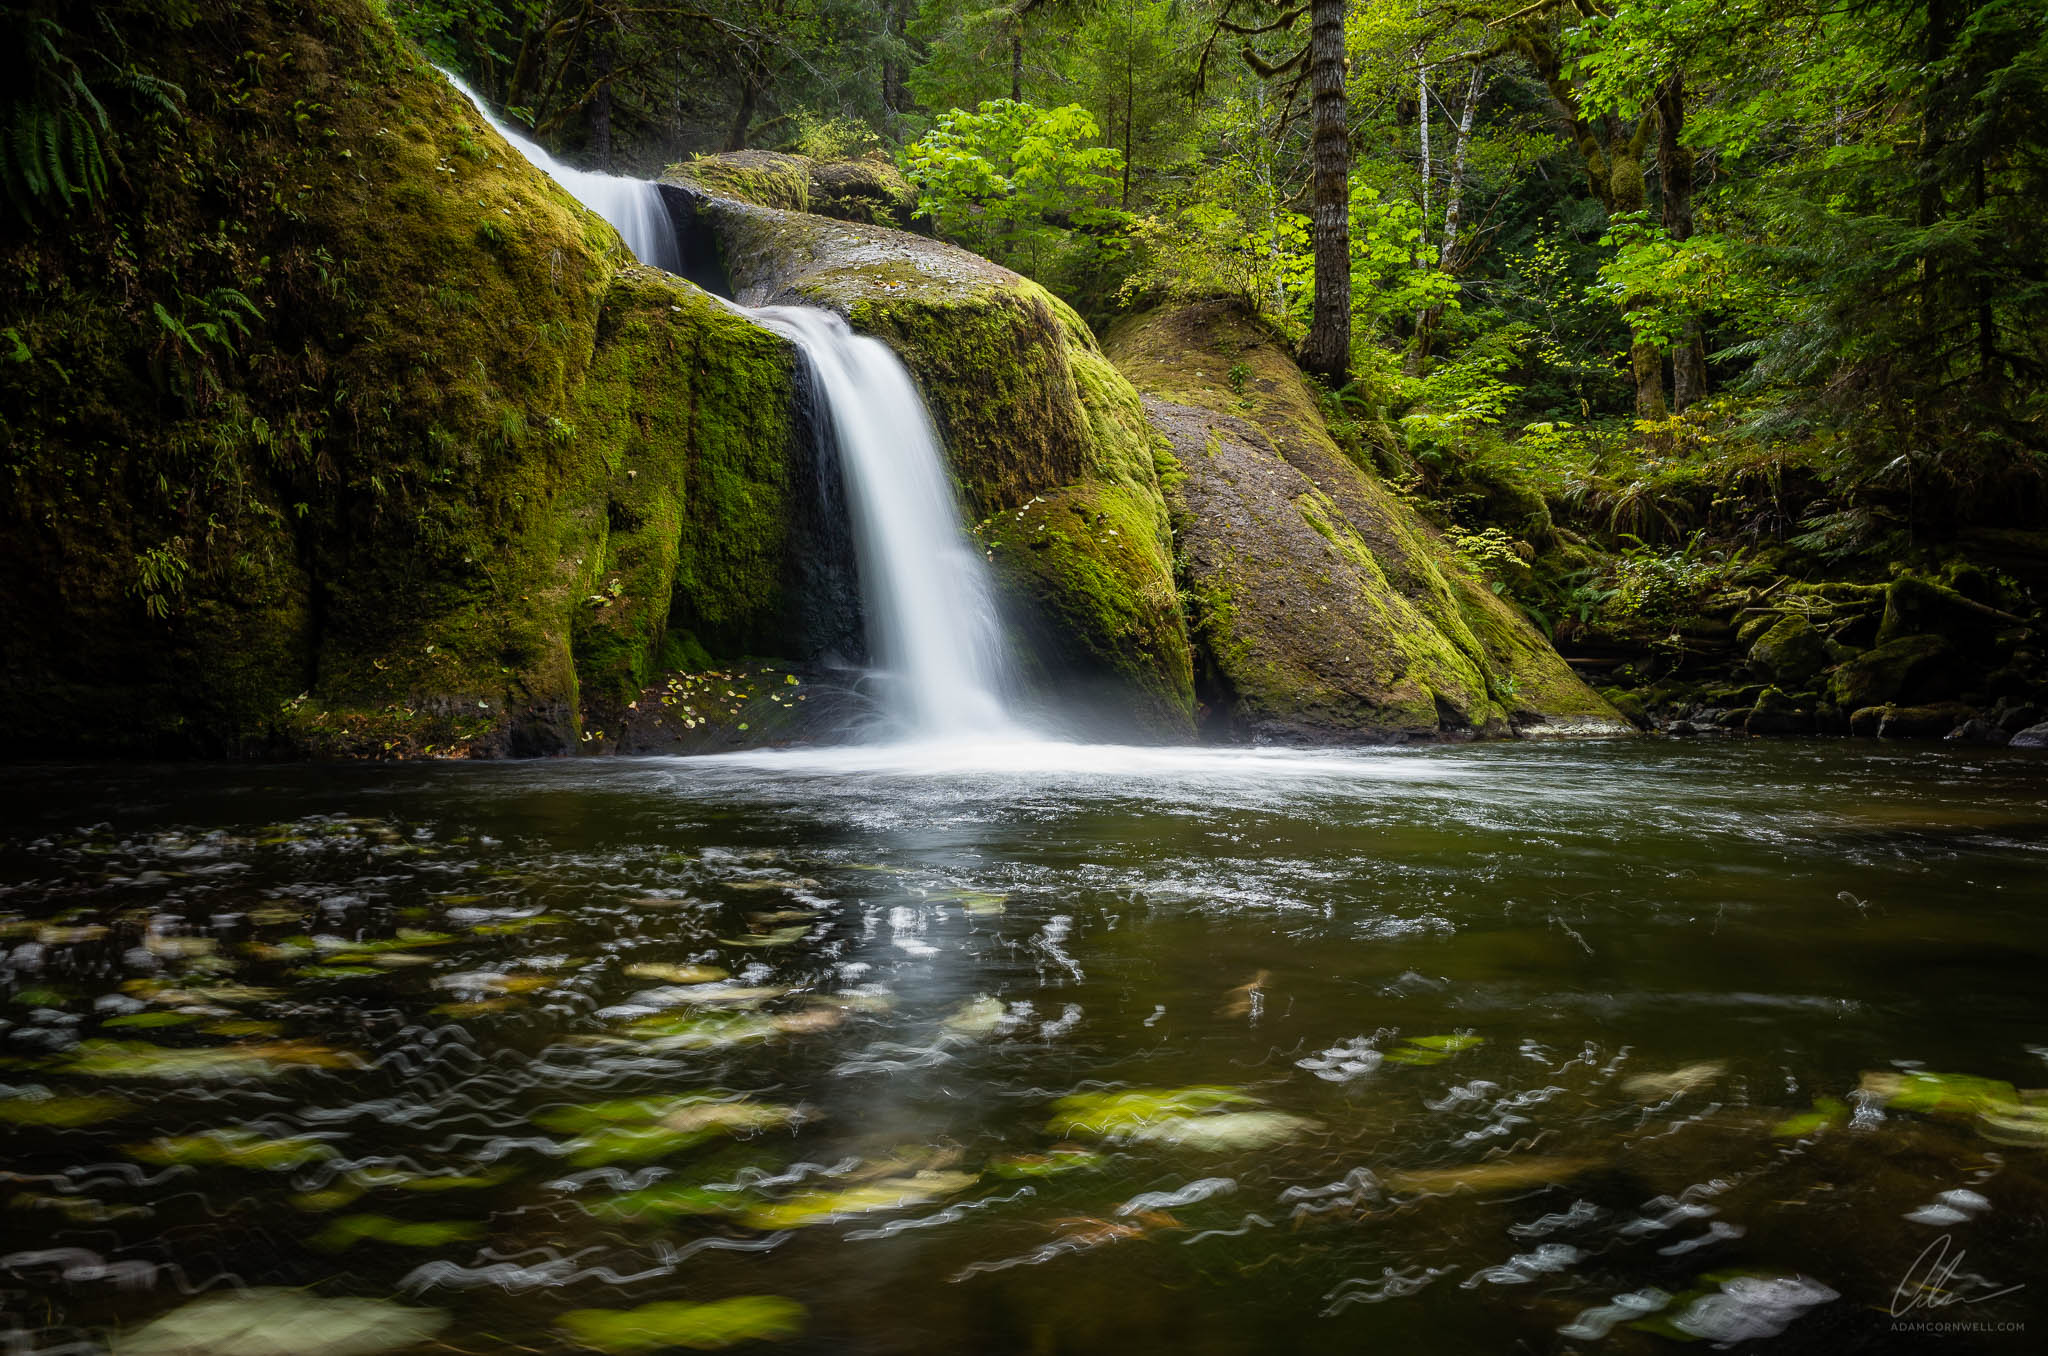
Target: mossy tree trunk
(1675, 171)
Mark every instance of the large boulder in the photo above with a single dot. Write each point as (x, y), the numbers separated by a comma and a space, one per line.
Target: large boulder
(410, 456)
(1776, 713)
(867, 190)
(1048, 446)
(1906, 669)
(1790, 652)
(1324, 607)
(1933, 721)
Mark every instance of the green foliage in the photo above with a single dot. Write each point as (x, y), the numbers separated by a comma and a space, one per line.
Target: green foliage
(1460, 398)
(1018, 183)
(1662, 284)
(160, 576)
(1661, 584)
(57, 145)
(200, 340)
(827, 137)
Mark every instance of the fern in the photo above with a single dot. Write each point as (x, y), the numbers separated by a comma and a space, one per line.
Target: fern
(56, 138)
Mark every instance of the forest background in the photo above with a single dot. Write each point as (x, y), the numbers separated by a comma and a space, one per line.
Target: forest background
(1651, 306)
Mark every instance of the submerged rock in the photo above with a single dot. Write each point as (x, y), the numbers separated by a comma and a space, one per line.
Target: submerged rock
(2032, 737)
(1324, 607)
(1979, 731)
(277, 1322)
(1923, 722)
(711, 1326)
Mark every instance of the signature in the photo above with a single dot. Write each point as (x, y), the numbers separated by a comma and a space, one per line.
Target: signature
(1926, 1283)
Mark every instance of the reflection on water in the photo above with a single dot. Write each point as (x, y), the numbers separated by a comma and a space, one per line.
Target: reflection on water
(1029, 1047)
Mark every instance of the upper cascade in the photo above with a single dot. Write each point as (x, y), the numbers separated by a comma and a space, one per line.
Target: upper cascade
(632, 206)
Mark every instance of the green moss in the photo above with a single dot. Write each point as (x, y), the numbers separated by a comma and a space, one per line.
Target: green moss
(763, 178)
(373, 521)
(1342, 613)
(1085, 565)
(707, 530)
(995, 370)
(871, 190)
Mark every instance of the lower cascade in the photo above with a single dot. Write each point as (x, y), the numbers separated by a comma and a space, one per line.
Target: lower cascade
(932, 627)
(931, 617)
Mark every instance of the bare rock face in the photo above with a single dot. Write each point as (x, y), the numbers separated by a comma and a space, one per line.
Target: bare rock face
(1323, 608)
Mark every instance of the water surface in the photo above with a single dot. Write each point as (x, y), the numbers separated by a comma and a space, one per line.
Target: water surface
(1027, 1047)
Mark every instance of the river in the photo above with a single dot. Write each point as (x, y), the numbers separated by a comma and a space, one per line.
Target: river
(1038, 1048)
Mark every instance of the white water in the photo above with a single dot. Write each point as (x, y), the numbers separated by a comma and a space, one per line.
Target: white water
(933, 631)
(632, 206)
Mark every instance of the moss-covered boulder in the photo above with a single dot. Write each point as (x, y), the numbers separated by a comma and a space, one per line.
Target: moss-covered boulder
(1324, 608)
(1791, 652)
(869, 190)
(1907, 669)
(338, 428)
(1920, 607)
(1932, 721)
(1047, 443)
(1778, 713)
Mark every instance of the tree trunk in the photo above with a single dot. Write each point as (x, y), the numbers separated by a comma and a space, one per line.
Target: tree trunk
(1422, 123)
(1017, 57)
(1675, 170)
(1454, 212)
(1130, 100)
(743, 116)
(1625, 193)
(895, 19)
(601, 105)
(1614, 173)
(1327, 351)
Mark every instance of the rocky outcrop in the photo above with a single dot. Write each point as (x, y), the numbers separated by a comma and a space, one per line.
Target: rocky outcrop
(869, 190)
(1323, 607)
(408, 456)
(1047, 443)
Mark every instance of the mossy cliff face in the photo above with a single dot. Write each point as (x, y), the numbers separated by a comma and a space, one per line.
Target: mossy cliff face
(1322, 606)
(436, 482)
(1048, 445)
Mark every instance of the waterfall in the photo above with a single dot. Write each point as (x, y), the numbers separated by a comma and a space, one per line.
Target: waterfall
(932, 625)
(632, 206)
(933, 631)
